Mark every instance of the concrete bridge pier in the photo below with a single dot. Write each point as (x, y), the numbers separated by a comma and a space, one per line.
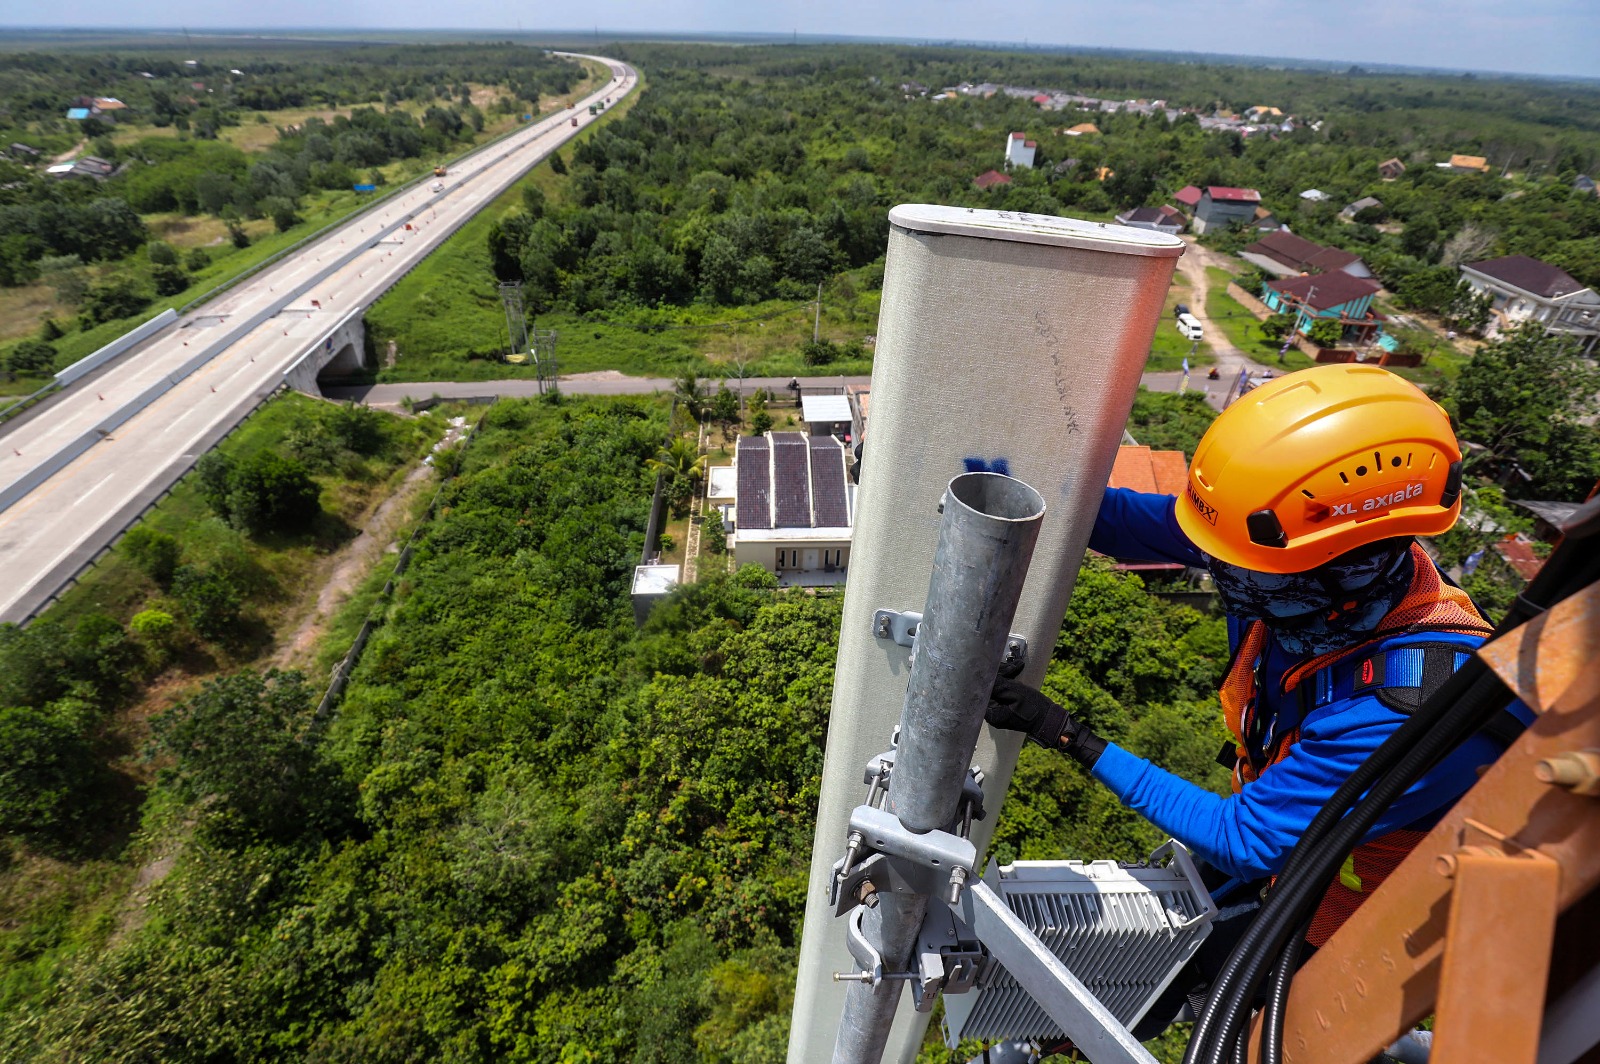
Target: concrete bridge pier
(340, 354)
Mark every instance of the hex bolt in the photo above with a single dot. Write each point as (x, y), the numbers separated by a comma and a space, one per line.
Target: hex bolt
(1577, 770)
(958, 879)
(883, 626)
(852, 977)
(867, 893)
(850, 849)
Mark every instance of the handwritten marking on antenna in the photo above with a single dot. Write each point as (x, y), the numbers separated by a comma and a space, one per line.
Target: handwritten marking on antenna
(1045, 332)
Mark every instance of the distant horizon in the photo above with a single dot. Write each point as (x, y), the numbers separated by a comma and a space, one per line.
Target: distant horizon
(1543, 39)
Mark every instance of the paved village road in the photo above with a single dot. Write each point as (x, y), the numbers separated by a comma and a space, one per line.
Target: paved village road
(393, 396)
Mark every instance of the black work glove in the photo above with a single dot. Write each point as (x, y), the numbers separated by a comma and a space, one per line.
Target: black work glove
(1015, 706)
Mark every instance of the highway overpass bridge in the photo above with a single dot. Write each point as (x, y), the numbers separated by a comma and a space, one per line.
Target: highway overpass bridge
(76, 470)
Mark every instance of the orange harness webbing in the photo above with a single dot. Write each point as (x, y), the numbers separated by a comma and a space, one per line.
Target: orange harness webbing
(1429, 605)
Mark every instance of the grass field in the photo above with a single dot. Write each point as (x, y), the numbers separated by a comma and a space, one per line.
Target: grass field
(1168, 348)
(446, 320)
(1241, 327)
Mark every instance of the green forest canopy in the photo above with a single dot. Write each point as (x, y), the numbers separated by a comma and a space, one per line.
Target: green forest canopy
(532, 832)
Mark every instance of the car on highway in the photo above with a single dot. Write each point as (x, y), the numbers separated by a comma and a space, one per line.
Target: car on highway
(438, 186)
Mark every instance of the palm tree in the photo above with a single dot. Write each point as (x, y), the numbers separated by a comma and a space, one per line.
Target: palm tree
(691, 395)
(682, 458)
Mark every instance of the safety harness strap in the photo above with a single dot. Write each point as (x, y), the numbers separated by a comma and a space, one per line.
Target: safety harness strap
(1402, 678)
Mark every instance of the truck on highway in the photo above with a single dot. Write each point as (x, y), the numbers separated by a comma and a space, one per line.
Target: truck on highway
(439, 171)
(574, 123)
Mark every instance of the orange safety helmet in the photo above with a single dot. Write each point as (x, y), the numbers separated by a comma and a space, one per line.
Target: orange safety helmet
(1317, 463)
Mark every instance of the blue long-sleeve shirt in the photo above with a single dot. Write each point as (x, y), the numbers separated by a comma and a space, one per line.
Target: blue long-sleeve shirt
(1249, 835)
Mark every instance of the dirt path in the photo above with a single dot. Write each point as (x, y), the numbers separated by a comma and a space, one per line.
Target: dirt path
(1229, 358)
(352, 563)
(72, 152)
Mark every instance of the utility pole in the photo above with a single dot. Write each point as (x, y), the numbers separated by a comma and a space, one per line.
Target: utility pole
(816, 325)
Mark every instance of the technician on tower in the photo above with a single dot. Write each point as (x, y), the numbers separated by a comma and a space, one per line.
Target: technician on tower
(1302, 502)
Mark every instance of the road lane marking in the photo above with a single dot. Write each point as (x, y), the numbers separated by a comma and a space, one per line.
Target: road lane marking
(102, 483)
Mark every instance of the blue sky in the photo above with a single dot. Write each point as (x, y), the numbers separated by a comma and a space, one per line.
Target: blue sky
(1553, 37)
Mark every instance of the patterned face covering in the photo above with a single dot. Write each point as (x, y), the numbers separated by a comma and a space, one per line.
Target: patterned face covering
(1332, 606)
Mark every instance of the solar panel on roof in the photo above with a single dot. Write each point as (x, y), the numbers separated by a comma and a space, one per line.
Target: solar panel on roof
(827, 483)
(791, 481)
(754, 500)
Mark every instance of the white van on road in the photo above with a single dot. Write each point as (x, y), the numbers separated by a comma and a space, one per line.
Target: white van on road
(1190, 327)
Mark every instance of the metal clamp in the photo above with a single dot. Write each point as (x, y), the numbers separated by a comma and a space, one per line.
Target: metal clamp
(882, 855)
(949, 958)
(1180, 856)
(900, 627)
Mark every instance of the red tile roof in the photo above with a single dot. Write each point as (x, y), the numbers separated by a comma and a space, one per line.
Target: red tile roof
(1152, 472)
(1325, 291)
(991, 178)
(1517, 550)
(1234, 195)
(1188, 195)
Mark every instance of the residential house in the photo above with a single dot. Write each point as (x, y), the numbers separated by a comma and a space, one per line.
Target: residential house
(1066, 166)
(1104, 172)
(990, 178)
(1390, 169)
(1157, 219)
(794, 507)
(1549, 515)
(78, 114)
(1020, 151)
(1365, 203)
(1516, 550)
(652, 583)
(1265, 220)
(1082, 129)
(860, 397)
(826, 415)
(1466, 164)
(24, 153)
(1042, 99)
(1283, 254)
(1314, 195)
(1221, 207)
(90, 166)
(1585, 183)
(1526, 289)
(1187, 197)
(1337, 296)
(1258, 113)
(1150, 472)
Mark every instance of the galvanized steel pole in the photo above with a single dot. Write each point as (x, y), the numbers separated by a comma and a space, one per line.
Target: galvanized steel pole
(986, 540)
